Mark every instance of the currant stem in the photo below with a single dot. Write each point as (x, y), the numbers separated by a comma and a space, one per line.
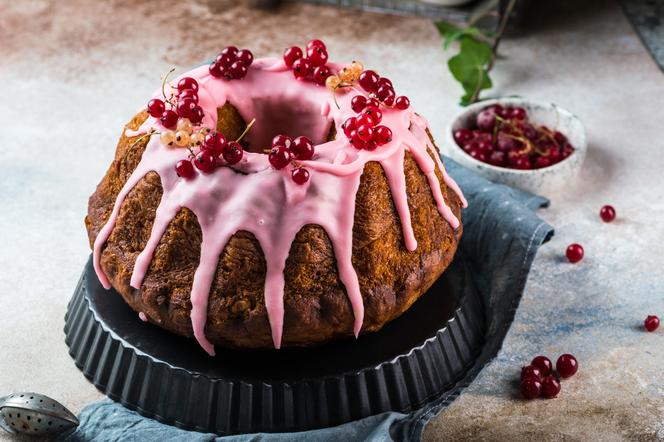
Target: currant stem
(163, 84)
(504, 19)
(246, 130)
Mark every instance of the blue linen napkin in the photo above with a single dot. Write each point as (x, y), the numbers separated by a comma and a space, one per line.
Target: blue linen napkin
(500, 240)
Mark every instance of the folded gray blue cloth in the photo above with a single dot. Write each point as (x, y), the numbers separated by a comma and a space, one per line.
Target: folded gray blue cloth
(501, 237)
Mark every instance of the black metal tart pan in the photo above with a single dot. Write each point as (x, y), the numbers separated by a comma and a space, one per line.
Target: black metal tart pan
(413, 359)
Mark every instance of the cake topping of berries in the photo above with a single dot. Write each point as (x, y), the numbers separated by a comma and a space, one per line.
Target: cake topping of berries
(231, 63)
(280, 157)
(300, 175)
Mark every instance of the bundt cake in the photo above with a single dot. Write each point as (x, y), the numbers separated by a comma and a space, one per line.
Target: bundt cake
(275, 202)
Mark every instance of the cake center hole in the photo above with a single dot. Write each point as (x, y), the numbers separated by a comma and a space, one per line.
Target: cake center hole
(292, 116)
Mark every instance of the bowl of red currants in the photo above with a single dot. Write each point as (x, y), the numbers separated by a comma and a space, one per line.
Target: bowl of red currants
(534, 146)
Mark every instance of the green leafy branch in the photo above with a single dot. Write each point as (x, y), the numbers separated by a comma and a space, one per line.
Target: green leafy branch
(477, 54)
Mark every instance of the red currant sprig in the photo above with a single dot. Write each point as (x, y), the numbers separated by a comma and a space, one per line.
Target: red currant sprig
(383, 89)
(231, 63)
(286, 149)
(212, 146)
(310, 65)
(182, 105)
(363, 130)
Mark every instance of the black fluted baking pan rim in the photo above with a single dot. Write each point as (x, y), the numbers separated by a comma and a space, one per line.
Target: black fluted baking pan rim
(413, 359)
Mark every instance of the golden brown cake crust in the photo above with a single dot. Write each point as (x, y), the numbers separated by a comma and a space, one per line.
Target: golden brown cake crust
(316, 306)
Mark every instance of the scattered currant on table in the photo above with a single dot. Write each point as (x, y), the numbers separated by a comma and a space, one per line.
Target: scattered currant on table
(543, 364)
(507, 130)
(607, 213)
(651, 323)
(574, 253)
(550, 387)
(531, 388)
(567, 365)
(540, 380)
(530, 371)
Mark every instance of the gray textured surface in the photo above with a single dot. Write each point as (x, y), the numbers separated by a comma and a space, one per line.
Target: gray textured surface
(72, 74)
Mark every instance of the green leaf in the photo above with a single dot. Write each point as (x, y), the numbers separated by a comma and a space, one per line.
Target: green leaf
(453, 33)
(469, 67)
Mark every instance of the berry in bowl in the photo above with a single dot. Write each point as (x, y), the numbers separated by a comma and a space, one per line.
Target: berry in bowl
(534, 146)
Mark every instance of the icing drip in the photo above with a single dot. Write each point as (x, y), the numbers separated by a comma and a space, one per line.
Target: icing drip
(266, 202)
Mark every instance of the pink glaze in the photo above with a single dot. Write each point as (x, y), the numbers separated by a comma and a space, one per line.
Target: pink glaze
(142, 317)
(266, 202)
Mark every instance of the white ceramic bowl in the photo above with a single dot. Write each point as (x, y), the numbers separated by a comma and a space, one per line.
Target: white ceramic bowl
(542, 181)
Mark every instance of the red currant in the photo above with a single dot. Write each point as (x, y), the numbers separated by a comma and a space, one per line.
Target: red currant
(550, 386)
(486, 119)
(607, 213)
(368, 80)
(187, 83)
(245, 57)
(300, 175)
(205, 161)
(230, 50)
(402, 102)
(349, 125)
(302, 67)
(559, 137)
(184, 169)
(315, 43)
(197, 115)
(317, 55)
(651, 323)
(386, 95)
(375, 114)
(156, 108)
(280, 157)
(566, 365)
(282, 140)
(185, 106)
(355, 140)
(291, 55)
(384, 81)
(541, 162)
(462, 136)
(214, 142)
(365, 133)
(522, 163)
(531, 388)
(373, 102)
(225, 60)
(217, 70)
(530, 371)
(382, 135)
(233, 152)
(574, 253)
(364, 120)
(237, 70)
(497, 158)
(543, 364)
(358, 103)
(519, 113)
(302, 148)
(189, 93)
(320, 74)
(169, 119)
(370, 145)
